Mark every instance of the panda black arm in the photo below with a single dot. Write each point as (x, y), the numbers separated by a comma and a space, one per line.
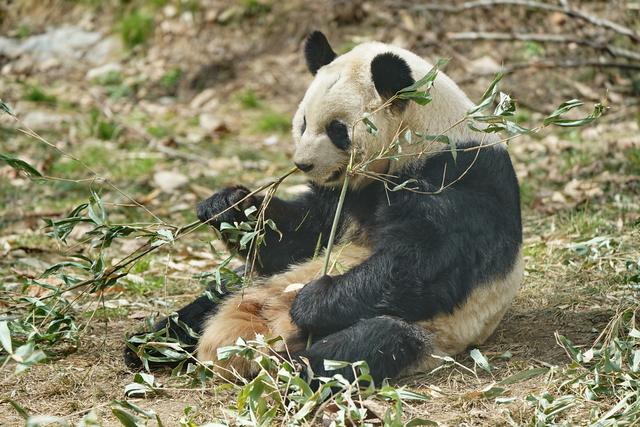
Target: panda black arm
(430, 251)
(302, 222)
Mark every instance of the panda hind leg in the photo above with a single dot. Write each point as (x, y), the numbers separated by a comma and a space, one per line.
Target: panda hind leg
(389, 345)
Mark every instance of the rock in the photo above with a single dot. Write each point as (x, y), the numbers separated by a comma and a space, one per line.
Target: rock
(10, 47)
(105, 51)
(68, 43)
(170, 11)
(271, 140)
(43, 120)
(49, 64)
(202, 98)
(484, 65)
(98, 72)
(169, 181)
(210, 123)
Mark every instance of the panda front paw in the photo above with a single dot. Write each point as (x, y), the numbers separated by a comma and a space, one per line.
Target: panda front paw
(218, 208)
(308, 309)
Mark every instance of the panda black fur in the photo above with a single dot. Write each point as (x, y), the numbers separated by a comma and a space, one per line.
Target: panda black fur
(413, 274)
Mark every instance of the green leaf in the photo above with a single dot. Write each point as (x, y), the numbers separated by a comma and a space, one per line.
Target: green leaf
(480, 360)
(45, 420)
(226, 352)
(5, 337)
(19, 409)
(419, 97)
(247, 238)
(489, 95)
(635, 367)
(137, 390)
(428, 78)
(405, 394)
(5, 107)
(90, 420)
(35, 356)
(250, 211)
(332, 365)
(436, 138)
(371, 128)
(421, 422)
(556, 119)
(20, 165)
(127, 419)
(523, 375)
(492, 391)
(96, 209)
(422, 97)
(165, 234)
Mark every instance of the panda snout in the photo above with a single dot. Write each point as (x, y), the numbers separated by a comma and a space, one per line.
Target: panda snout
(304, 167)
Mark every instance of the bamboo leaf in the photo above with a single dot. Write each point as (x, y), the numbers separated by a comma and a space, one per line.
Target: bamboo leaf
(20, 165)
(5, 337)
(556, 118)
(480, 360)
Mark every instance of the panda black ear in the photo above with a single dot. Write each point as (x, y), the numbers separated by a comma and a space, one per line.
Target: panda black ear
(317, 51)
(390, 73)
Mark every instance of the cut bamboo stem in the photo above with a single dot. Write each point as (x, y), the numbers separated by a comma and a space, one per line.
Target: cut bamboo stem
(334, 227)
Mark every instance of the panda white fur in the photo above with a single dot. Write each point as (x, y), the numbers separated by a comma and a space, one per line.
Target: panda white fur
(413, 274)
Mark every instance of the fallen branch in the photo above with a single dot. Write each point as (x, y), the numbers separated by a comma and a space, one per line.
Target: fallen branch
(536, 5)
(547, 64)
(545, 38)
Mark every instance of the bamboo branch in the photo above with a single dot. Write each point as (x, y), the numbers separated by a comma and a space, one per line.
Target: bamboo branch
(115, 271)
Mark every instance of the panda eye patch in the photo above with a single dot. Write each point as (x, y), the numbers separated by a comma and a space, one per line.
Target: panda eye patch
(304, 125)
(338, 134)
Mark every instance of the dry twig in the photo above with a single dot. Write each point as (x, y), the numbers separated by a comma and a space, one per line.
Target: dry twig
(536, 5)
(545, 38)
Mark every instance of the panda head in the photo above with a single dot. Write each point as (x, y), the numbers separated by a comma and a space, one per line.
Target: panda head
(344, 89)
(327, 126)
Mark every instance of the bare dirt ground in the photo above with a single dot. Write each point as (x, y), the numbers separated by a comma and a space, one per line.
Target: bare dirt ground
(205, 101)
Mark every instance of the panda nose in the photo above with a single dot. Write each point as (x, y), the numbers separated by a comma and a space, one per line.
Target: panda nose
(304, 167)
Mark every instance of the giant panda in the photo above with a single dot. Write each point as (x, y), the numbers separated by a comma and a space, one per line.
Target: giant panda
(418, 272)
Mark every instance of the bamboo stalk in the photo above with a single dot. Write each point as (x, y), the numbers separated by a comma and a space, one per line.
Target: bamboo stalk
(334, 227)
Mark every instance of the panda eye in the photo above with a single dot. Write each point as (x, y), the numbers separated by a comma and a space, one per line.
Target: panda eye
(338, 134)
(304, 125)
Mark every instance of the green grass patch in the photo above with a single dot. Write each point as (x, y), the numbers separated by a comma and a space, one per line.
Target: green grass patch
(103, 159)
(110, 78)
(273, 122)
(633, 159)
(255, 7)
(586, 222)
(171, 78)
(136, 28)
(527, 193)
(248, 99)
(102, 127)
(159, 131)
(576, 157)
(37, 94)
(106, 313)
(148, 286)
(531, 49)
(23, 31)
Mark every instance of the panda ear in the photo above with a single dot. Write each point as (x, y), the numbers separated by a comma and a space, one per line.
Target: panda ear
(390, 73)
(317, 51)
